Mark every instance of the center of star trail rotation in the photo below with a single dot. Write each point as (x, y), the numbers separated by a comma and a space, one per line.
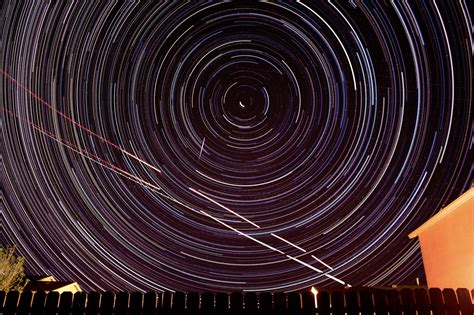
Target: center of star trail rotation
(230, 146)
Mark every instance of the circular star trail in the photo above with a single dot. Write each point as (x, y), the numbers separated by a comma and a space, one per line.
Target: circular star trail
(230, 146)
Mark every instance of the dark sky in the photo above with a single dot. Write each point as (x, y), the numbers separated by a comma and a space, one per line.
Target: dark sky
(230, 146)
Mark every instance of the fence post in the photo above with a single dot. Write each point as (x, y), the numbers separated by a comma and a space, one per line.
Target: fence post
(251, 303)
(149, 303)
(39, 299)
(107, 301)
(236, 303)
(265, 302)
(166, 302)
(2, 300)
(179, 303)
(465, 302)
(65, 303)
(222, 303)
(93, 302)
(11, 302)
(308, 303)
(207, 303)
(136, 303)
(79, 303)
(408, 302)
(366, 302)
(52, 302)
(121, 303)
(324, 303)
(380, 302)
(352, 302)
(450, 302)
(192, 303)
(337, 303)
(394, 305)
(422, 302)
(294, 303)
(436, 301)
(25, 303)
(279, 303)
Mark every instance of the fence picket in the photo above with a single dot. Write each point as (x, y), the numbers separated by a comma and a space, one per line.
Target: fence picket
(354, 301)
(192, 303)
(166, 300)
(266, 302)
(65, 303)
(11, 302)
(179, 303)
(136, 303)
(337, 303)
(39, 300)
(394, 302)
(436, 301)
(150, 302)
(422, 302)
(450, 302)
(251, 303)
(25, 303)
(308, 303)
(465, 302)
(380, 302)
(107, 301)
(366, 302)
(78, 303)
(324, 303)
(52, 302)
(236, 303)
(408, 302)
(2, 300)
(121, 303)
(279, 303)
(222, 303)
(294, 303)
(207, 303)
(93, 302)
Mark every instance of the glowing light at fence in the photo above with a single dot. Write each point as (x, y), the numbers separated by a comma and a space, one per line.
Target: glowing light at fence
(315, 293)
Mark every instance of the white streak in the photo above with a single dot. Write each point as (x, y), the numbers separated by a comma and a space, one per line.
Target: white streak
(288, 242)
(223, 207)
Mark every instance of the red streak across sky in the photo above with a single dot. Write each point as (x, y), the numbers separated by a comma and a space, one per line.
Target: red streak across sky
(83, 152)
(37, 97)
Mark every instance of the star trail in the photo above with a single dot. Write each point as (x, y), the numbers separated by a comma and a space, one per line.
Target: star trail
(230, 146)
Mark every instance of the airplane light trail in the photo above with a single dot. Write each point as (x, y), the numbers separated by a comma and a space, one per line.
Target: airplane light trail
(322, 262)
(41, 100)
(223, 207)
(156, 189)
(288, 242)
(202, 148)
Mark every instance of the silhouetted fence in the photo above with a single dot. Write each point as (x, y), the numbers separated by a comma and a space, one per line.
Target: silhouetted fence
(351, 301)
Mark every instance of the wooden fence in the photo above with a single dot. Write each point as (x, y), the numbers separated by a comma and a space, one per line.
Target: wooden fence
(353, 301)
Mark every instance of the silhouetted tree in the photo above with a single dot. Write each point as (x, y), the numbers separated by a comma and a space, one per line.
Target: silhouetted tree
(12, 277)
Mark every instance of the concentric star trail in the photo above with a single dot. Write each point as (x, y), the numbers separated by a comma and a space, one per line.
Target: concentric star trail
(231, 146)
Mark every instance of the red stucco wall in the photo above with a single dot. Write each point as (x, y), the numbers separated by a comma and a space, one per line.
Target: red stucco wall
(448, 249)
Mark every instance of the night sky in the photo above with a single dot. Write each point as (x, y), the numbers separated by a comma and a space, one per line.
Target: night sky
(229, 146)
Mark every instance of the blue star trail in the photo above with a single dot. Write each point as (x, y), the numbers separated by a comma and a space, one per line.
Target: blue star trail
(231, 146)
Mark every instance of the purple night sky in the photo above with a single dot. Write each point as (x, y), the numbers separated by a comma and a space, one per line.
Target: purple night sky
(230, 146)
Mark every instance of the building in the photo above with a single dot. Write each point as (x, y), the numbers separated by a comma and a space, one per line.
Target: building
(49, 283)
(447, 244)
